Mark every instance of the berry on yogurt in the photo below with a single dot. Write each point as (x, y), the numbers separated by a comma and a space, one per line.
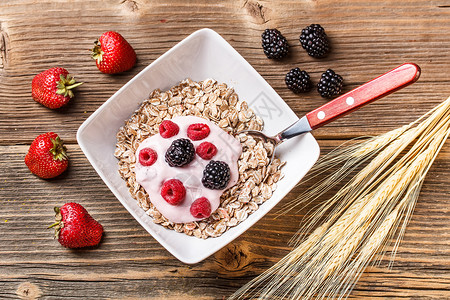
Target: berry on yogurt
(180, 153)
(173, 191)
(216, 175)
(201, 208)
(147, 157)
(206, 150)
(198, 131)
(168, 129)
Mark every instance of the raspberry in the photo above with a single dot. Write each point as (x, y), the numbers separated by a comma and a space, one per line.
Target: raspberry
(198, 131)
(201, 208)
(147, 157)
(181, 152)
(206, 150)
(173, 191)
(216, 175)
(168, 129)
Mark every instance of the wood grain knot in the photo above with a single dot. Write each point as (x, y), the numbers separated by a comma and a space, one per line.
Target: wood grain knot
(28, 291)
(257, 11)
(233, 257)
(130, 5)
(3, 48)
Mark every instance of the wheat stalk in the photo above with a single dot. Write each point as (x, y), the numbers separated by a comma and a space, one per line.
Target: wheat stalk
(348, 272)
(376, 143)
(369, 211)
(355, 187)
(378, 238)
(391, 145)
(354, 155)
(378, 163)
(347, 247)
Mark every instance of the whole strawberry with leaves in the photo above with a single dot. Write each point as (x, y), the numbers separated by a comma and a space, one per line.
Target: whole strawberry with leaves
(113, 54)
(75, 228)
(53, 87)
(47, 156)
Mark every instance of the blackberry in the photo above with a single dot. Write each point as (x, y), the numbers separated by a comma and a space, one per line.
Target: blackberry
(274, 44)
(314, 40)
(330, 84)
(180, 153)
(298, 81)
(216, 175)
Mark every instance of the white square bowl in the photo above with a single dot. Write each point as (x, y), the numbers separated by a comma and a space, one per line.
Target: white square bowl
(204, 54)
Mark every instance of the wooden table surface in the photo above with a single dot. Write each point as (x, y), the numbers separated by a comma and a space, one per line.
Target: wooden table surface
(368, 38)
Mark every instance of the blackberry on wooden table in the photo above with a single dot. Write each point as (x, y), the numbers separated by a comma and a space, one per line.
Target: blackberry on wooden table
(330, 84)
(315, 41)
(298, 81)
(274, 44)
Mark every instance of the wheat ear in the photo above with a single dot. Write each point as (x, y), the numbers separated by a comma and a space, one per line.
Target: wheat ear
(391, 145)
(330, 261)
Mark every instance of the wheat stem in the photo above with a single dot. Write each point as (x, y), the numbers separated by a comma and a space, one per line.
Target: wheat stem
(361, 219)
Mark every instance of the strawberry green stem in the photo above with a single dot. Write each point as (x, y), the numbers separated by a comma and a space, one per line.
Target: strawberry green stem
(58, 224)
(59, 151)
(74, 85)
(65, 85)
(54, 224)
(97, 52)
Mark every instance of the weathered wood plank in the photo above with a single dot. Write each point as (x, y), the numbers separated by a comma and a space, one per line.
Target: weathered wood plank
(367, 39)
(129, 263)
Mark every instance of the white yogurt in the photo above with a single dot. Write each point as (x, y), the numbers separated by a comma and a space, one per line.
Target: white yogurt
(152, 177)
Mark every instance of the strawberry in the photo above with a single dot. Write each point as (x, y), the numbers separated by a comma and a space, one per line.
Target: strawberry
(47, 156)
(53, 88)
(75, 228)
(113, 54)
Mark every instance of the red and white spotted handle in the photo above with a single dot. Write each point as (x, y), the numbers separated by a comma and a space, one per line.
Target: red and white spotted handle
(375, 89)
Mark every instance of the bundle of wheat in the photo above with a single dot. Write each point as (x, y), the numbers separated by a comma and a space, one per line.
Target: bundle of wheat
(362, 218)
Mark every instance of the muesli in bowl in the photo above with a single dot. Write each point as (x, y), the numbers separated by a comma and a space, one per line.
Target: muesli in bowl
(216, 102)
